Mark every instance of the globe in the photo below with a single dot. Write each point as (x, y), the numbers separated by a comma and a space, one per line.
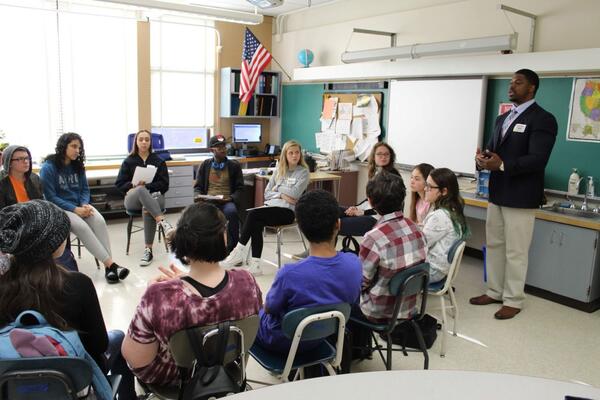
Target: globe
(305, 56)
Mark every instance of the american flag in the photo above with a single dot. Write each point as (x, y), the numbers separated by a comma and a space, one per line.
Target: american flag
(254, 59)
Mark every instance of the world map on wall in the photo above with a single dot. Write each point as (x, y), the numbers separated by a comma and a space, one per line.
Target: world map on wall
(584, 122)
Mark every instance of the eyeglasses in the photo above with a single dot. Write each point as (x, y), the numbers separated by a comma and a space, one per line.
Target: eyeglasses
(20, 159)
(429, 187)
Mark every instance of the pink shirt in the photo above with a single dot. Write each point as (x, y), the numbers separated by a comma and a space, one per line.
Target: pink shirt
(422, 208)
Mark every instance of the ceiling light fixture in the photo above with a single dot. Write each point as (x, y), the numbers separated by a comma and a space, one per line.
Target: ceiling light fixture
(265, 3)
(503, 43)
(221, 14)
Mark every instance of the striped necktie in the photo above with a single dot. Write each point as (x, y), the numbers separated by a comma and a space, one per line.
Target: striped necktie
(509, 120)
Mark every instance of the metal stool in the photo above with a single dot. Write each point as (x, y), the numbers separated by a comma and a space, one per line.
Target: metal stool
(278, 230)
(130, 228)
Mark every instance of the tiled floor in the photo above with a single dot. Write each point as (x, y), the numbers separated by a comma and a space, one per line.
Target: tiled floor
(546, 339)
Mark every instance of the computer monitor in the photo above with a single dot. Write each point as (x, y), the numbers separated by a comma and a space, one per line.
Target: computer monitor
(183, 139)
(246, 133)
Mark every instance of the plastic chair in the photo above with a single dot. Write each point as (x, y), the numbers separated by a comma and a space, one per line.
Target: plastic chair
(42, 378)
(444, 287)
(278, 231)
(131, 228)
(241, 336)
(158, 143)
(314, 323)
(407, 285)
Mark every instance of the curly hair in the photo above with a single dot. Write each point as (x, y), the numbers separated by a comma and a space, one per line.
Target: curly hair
(389, 167)
(60, 152)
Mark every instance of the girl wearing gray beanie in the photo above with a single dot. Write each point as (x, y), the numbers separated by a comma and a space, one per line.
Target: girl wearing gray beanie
(34, 233)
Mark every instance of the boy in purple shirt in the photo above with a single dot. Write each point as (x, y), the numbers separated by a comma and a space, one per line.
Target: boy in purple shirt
(325, 277)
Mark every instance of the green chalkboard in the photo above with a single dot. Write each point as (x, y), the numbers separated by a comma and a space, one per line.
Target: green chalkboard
(300, 112)
(554, 95)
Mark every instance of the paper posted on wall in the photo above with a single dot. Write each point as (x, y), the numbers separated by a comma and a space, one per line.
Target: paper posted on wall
(342, 126)
(330, 107)
(327, 125)
(344, 111)
(362, 147)
(328, 142)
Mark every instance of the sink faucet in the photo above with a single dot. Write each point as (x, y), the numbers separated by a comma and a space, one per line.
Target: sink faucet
(584, 206)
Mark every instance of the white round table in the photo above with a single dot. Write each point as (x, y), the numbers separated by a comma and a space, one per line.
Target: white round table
(426, 385)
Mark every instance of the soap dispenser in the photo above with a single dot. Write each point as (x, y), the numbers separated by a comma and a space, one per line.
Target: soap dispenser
(573, 186)
(590, 187)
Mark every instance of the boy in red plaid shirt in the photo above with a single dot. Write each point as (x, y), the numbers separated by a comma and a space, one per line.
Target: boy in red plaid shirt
(394, 243)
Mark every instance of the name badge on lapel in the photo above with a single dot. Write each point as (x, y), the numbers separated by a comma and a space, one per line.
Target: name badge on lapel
(291, 181)
(519, 128)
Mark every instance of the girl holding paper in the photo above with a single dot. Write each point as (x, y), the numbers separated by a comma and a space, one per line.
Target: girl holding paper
(65, 184)
(147, 196)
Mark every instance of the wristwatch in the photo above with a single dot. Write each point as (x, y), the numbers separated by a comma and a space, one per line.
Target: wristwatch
(501, 167)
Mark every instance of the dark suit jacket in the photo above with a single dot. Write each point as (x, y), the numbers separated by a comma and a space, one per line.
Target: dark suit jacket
(525, 155)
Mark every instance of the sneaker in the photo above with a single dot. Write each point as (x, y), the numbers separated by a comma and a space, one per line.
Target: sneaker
(254, 267)
(111, 275)
(300, 256)
(122, 272)
(146, 258)
(167, 228)
(236, 257)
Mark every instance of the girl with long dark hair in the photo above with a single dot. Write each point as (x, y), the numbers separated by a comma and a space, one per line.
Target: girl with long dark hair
(446, 223)
(65, 184)
(419, 208)
(34, 234)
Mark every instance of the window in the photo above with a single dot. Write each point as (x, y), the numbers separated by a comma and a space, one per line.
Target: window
(71, 70)
(182, 73)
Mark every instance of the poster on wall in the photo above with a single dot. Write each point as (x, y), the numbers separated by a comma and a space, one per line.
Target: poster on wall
(584, 118)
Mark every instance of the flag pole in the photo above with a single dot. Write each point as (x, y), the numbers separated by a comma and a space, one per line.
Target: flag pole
(277, 62)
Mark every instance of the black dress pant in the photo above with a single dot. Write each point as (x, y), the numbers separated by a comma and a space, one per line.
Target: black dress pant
(257, 219)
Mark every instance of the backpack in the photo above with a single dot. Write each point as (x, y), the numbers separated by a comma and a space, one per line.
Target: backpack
(350, 245)
(69, 341)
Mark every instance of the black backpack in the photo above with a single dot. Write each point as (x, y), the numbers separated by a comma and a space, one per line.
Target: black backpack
(350, 245)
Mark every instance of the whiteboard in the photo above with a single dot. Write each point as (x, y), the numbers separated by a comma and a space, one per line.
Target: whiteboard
(437, 121)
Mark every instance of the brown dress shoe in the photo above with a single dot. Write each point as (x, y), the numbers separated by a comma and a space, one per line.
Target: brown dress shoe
(507, 312)
(483, 300)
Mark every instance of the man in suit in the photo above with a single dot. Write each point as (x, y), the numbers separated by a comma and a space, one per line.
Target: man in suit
(516, 155)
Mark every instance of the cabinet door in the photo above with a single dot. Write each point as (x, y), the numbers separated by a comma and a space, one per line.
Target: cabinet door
(575, 261)
(543, 254)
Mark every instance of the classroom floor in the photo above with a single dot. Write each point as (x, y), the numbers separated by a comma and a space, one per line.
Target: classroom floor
(545, 340)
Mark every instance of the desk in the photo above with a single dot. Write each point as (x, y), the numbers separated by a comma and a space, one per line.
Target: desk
(423, 385)
(318, 180)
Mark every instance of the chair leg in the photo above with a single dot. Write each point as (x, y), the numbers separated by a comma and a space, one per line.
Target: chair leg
(78, 248)
(421, 341)
(97, 263)
(388, 363)
(301, 238)
(129, 225)
(278, 248)
(330, 369)
(444, 327)
(378, 347)
(161, 231)
(455, 308)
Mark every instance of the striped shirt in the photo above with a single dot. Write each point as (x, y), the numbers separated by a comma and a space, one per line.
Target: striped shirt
(394, 243)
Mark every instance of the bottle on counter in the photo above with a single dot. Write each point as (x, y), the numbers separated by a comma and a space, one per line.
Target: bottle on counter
(590, 187)
(573, 186)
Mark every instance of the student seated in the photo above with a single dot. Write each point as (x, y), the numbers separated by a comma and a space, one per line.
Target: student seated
(281, 194)
(325, 277)
(147, 196)
(446, 223)
(65, 184)
(419, 207)
(220, 176)
(394, 243)
(34, 233)
(19, 184)
(358, 220)
(206, 295)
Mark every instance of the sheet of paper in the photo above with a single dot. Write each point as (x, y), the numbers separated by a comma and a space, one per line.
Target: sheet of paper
(357, 111)
(209, 197)
(363, 147)
(344, 111)
(342, 126)
(324, 141)
(143, 174)
(371, 123)
(327, 125)
(357, 129)
(330, 107)
(339, 142)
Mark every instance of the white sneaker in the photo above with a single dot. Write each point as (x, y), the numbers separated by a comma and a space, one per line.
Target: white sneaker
(236, 257)
(146, 258)
(254, 266)
(167, 227)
